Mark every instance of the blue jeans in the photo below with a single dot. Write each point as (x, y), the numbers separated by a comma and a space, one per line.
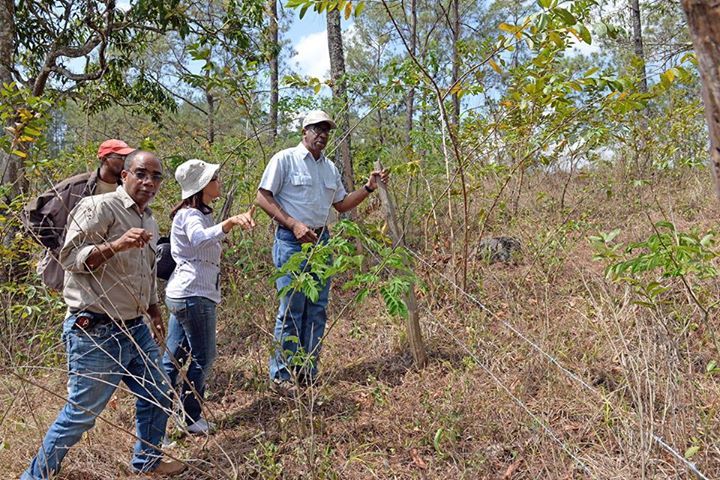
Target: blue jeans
(98, 359)
(300, 322)
(191, 335)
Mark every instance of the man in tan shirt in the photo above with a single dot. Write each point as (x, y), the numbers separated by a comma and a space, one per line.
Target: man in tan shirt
(109, 257)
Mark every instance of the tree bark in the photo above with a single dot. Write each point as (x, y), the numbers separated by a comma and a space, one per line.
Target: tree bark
(343, 158)
(414, 332)
(638, 43)
(273, 34)
(210, 116)
(7, 40)
(704, 22)
(10, 165)
(456, 62)
(410, 99)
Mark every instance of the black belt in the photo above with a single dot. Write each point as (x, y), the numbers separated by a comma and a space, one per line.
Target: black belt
(318, 231)
(87, 319)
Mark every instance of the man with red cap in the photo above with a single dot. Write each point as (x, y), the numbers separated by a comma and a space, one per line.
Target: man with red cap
(46, 216)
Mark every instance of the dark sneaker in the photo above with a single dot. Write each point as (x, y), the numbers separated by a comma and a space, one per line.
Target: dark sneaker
(201, 427)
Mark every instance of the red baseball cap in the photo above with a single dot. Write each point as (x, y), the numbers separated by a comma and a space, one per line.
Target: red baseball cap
(114, 146)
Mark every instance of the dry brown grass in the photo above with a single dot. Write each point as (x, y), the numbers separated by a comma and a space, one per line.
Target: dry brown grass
(489, 405)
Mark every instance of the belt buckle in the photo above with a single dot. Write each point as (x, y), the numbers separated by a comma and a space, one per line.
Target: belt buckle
(83, 321)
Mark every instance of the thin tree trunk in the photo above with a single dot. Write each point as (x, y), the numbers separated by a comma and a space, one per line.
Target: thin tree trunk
(410, 99)
(456, 62)
(210, 99)
(337, 74)
(273, 32)
(414, 332)
(704, 22)
(638, 43)
(11, 165)
(7, 40)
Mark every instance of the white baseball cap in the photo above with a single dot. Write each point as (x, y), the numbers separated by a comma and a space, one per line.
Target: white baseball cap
(317, 116)
(194, 175)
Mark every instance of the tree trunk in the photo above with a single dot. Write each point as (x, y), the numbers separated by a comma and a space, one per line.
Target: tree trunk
(7, 40)
(638, 44)
(210, 99)
(274, 39)
(456, 62)
(10, 165)
(337, 75)
(414, 332)
(704, 22)
(410, 99)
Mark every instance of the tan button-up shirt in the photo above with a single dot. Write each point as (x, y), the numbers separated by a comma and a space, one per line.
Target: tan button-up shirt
(125, 285)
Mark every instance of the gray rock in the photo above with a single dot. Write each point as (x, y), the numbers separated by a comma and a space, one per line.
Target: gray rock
(498, 249)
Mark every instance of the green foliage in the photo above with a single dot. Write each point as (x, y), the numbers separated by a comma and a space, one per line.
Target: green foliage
(320, 6)
(316, 264)
(668, 254)
(671, 252)
(264, 461)
(25, 117)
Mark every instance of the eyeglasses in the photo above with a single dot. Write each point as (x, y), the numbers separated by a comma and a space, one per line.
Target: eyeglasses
(143, 175)
(215, 179)
(319, 128)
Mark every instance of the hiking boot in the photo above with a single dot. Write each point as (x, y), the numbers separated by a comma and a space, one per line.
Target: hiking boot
(201, 427)
(167, 467)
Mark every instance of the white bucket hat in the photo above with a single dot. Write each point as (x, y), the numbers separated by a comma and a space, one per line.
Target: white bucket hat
(193, 175)
(317, 116)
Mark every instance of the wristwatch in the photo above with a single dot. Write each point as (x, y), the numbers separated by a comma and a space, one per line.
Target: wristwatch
(368, 189)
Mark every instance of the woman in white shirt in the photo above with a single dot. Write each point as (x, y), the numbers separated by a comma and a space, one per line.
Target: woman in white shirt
(193, 290)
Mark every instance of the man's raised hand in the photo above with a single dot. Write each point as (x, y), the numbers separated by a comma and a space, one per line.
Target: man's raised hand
(378, 175)
(133, 238)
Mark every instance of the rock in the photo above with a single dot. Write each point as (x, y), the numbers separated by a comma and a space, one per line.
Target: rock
(498, 249)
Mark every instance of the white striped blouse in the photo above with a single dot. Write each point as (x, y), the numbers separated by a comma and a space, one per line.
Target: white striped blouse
(196, 247)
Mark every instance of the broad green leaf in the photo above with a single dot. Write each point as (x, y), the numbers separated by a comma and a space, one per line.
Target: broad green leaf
(437, 439)
(585, 34)
(711, 366)
(304, 10)
(692, 451)
(31, 131)
(359, 9)
(567, 17)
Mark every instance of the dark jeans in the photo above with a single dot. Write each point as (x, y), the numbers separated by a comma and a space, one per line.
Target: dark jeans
(191, 337)
(300, 322)
(98, 359)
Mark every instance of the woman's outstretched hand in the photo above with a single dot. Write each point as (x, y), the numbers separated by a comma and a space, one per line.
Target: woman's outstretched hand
(245, 220)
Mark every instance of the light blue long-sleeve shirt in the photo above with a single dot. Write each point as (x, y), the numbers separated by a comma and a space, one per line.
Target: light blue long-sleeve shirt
(196, 247)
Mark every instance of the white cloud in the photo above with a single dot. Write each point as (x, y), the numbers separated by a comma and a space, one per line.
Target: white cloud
(582, 48)
(312, 57)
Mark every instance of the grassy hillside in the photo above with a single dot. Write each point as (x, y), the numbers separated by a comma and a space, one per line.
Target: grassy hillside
(542, 368)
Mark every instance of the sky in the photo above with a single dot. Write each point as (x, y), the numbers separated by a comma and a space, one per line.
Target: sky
(308, 37)
(309, 41)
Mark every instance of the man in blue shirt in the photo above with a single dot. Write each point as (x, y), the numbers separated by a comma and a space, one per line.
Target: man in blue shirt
(297, 189)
